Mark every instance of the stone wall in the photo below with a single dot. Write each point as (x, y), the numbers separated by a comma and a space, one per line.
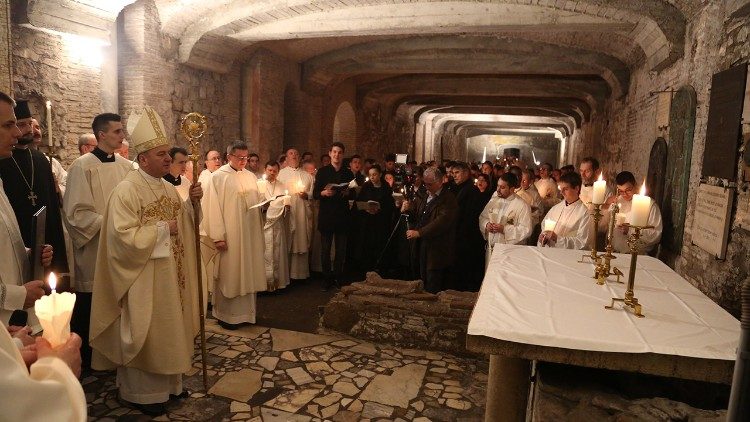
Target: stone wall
(44, 69)
(622, 136)
(400, 312)
(5, 46)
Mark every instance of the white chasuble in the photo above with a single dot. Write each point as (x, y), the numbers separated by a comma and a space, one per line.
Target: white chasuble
(297, 180)
(277, 230)
(230, 196)
(144, 308)
(14, 263)
(48, 391)
(572, 225)
(91, 183)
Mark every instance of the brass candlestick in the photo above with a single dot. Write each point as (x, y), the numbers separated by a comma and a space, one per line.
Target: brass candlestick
(604, 266)
(594, 255)
(630, 301)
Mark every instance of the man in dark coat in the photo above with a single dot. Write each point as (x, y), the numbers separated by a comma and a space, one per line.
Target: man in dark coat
(434, 230)
(334, 219)
(468, 270)
(29, 184)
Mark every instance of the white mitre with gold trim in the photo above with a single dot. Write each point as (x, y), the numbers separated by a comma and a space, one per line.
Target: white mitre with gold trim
(146, 130)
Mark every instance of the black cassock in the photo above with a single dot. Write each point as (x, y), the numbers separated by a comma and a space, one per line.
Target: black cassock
(468, 270)
(373, 229)
(45, 192)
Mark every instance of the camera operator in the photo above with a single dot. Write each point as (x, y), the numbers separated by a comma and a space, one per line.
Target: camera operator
(434, 231)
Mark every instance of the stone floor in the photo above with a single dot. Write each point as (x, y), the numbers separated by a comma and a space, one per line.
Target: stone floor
(261, 374)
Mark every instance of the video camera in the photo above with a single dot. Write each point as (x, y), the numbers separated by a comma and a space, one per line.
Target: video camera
(405, 177)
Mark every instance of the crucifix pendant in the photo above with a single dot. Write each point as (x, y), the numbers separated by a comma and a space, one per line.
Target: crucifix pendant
(32, 197)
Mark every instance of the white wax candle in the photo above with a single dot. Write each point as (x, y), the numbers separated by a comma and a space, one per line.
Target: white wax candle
(640, 208)
(621, 219)
(49, 122)
(548, 225)
(54, 312)
(287, 200)
(600, 189)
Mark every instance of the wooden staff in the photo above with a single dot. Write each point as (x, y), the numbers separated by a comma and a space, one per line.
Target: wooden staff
(193, 126)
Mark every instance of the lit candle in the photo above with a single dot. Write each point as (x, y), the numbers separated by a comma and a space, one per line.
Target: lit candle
(475, 181)
(548, 225)
(600, 188)
(621, 219)
(287, 199)
(49, 122)
(54, 312)
(300, 186)
(641, 208)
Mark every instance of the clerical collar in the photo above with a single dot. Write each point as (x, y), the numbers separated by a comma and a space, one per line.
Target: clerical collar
(571, 203)
(230, 166)
(103, 156)
(173, 180)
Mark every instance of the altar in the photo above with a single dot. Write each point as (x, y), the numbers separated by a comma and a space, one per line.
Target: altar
(543, 304)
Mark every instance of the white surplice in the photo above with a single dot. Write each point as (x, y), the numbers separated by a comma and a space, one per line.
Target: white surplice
(208, 250)
(277, 230)
(514, 213)
(14, 263)
(91, 183)
(649, 237)
(572, 225)
(230, 194)
(297, 181)
(531, 197)
(48, 391)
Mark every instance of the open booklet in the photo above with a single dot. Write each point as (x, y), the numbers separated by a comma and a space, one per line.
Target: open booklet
(339, 186)
(267, 201)
(368, 205)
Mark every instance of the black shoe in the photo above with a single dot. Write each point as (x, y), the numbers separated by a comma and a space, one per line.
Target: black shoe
(151, 409)
(228, 326)
(185, 394)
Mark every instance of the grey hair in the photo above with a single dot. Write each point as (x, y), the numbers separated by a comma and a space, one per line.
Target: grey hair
(237, 145)
(83, 140)
(434, 172)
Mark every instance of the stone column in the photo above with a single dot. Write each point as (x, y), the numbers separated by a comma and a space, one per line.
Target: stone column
(6, 77)
(507, 389)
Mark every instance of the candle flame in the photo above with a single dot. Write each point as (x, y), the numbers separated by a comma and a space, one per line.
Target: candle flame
(264, 177)
(476, 180)
(49, 104)
(52, 281)
(286, 192)
(643, 188)
(367, 179)
(601, 176)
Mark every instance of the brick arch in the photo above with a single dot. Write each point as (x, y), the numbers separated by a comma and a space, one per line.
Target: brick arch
(345, 124)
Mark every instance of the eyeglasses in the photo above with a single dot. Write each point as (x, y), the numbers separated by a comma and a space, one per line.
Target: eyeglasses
(240, 158)
(214, 159)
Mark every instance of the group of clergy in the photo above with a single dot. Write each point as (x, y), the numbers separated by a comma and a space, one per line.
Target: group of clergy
(126, 233)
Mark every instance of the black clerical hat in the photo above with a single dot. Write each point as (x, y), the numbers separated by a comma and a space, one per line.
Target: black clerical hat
(22, 109)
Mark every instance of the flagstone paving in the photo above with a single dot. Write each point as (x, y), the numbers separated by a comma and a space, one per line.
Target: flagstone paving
(267, 375)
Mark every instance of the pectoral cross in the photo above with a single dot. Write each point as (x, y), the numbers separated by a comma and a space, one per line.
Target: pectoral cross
(32, 197)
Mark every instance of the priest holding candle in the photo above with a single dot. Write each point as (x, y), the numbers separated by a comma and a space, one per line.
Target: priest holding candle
(300, 185)
(636, 210)
(572, 221)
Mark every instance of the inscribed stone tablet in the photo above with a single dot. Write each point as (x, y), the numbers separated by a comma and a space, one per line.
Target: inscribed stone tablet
(711, 221)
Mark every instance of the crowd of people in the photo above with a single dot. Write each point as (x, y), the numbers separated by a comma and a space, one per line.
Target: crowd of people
(123, 231)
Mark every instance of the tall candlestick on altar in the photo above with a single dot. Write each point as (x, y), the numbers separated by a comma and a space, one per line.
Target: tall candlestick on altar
(49, 122)
(641, 208)
(54, 312)
(600, 190)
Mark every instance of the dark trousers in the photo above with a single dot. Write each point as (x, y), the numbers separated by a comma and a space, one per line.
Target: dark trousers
(80, 322)
(434, 280)
(327, 239)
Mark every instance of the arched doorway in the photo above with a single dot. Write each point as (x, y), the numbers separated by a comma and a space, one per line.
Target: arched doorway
(677, 180)
(345, 125)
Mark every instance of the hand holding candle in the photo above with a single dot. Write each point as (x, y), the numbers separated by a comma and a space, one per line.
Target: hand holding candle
(54, 312)
(49, 122)
(548, 225)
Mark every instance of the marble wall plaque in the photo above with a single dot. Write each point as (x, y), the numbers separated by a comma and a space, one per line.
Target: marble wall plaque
(711, 219)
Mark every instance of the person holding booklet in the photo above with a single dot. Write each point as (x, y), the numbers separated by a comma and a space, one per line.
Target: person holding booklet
(375, 208)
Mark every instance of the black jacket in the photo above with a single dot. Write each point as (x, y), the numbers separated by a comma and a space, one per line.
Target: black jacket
(334, 213)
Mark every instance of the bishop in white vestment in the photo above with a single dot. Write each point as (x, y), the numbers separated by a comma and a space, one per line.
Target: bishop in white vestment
(144, 302)
(300, 184)
(569, 219)
(236, 228)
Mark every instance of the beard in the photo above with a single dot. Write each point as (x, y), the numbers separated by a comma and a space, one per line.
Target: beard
(25, 139)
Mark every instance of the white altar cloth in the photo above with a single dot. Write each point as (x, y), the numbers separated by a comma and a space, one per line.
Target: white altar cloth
(543, 296)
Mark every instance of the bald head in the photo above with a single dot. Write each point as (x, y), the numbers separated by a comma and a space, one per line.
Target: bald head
(86, 143)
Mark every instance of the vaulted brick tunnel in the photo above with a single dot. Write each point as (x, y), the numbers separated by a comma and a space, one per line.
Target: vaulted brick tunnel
(559, 79)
